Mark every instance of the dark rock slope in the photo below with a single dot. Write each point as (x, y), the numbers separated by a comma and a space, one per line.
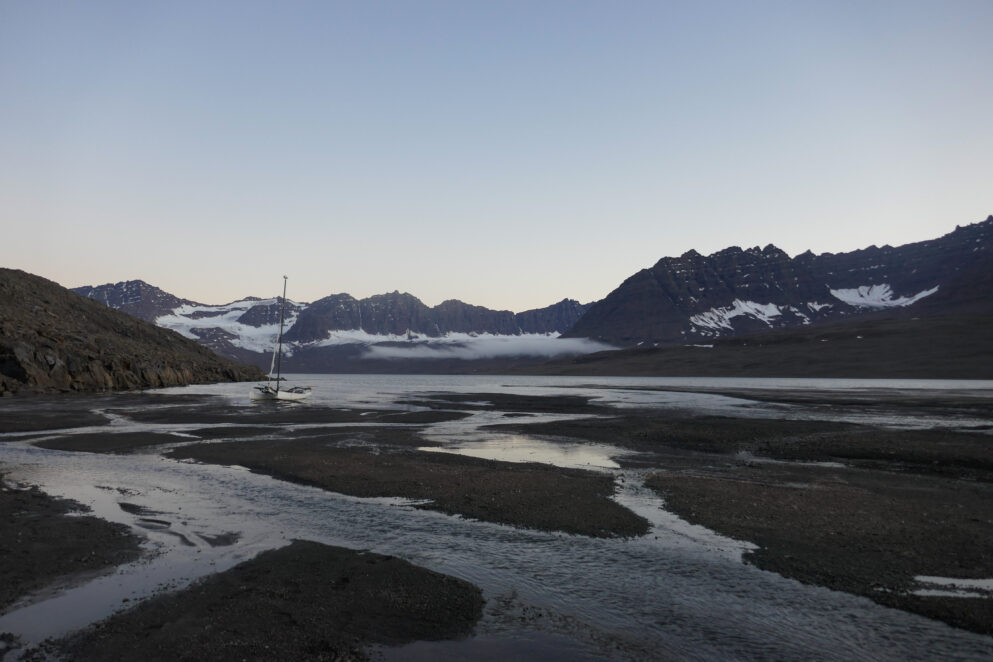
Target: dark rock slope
(695, 298)
(52, 339)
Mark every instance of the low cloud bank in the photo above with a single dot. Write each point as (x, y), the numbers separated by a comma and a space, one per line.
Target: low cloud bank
(464, 346)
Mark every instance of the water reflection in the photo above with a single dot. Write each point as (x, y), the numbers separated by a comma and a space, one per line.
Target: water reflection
(521, 448)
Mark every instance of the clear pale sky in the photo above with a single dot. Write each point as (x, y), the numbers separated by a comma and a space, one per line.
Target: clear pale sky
(508, 154)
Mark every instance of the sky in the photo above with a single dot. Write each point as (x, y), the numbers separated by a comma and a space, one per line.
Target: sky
(506, 153)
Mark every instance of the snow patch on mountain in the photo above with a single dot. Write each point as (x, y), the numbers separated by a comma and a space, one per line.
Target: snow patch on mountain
(878, 296)
(720, 318)
(188, 319)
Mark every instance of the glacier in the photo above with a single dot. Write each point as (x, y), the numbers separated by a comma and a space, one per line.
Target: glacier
(188, 319)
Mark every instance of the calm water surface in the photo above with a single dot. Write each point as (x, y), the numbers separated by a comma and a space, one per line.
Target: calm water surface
(681, 592)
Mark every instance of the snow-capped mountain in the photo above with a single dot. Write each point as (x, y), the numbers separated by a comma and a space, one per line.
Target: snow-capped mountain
(681, 300)
(695, 298)
(249, 325)
(341, 331)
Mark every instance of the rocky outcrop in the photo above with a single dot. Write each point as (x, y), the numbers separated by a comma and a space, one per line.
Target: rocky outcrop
(694, 298)
(51, 339)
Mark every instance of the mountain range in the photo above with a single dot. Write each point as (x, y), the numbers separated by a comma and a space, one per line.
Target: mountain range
(340, 332)
(695, 298)
(692, 299)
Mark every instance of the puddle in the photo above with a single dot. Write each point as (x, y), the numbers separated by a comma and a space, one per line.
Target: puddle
(668, 529)
(521, 448)
(952, 587)
(746, 456)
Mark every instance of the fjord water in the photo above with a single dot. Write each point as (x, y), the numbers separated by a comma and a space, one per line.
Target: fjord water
(681, 592)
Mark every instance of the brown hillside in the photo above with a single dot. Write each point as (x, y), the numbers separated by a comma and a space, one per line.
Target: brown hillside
(52, 339)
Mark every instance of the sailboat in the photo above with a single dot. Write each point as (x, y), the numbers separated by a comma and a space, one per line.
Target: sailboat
(267, 391)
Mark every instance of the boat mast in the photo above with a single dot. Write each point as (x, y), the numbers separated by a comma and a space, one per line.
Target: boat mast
(279, 354)
(272, 367)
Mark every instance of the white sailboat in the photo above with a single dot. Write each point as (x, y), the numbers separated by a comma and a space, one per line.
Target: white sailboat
(268, 391)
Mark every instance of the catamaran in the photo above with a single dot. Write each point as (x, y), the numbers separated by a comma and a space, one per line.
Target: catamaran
(268, 391)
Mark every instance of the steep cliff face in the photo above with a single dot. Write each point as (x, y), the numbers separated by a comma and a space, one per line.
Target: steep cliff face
(694, 298)
(51, 339)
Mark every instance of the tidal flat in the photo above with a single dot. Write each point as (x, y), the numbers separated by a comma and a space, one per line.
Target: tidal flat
(592, 521)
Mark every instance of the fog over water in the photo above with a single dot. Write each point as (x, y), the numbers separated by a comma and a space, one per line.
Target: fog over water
(486, 346)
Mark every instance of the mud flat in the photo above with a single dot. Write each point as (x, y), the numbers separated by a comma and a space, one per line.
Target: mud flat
(306, 601)
(850, 507)
(41, 544)
(303, 601)
(529, 495)
(48, 413)
(855, 508)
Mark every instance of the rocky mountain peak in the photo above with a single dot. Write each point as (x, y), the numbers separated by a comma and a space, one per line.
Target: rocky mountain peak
(134, 297)
(735, 291)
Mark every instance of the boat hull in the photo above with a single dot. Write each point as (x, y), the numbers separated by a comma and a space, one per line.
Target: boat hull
(266, 393)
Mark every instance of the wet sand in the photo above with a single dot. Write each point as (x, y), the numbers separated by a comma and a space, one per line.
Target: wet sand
(537, 496)
(40, 543)
(306, 601)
